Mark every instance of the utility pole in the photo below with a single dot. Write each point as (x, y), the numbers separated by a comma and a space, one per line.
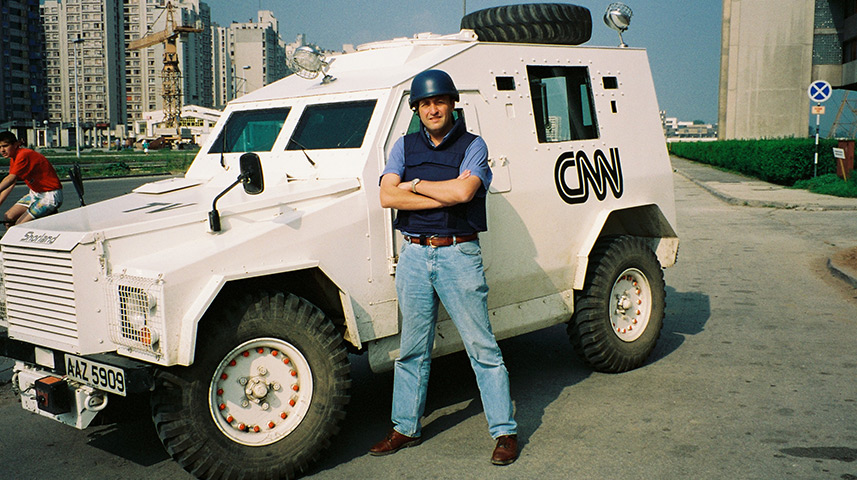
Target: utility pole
(76, 100)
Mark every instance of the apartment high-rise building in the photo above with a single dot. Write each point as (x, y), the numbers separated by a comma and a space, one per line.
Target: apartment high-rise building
(198, 76)
(22, 82)
(221, 66)
(91, 32)
(258, 56)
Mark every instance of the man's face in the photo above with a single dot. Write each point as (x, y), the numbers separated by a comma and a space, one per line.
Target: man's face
(436, 114)
(8, 149)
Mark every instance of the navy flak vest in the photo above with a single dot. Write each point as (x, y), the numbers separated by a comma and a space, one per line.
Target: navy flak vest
(426, 162)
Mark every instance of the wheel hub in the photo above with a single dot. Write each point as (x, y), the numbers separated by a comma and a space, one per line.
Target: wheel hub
(256, 390)
(260, 392)
(631, 309)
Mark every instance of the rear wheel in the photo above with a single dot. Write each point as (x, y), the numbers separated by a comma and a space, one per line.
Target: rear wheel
(266, 392)
(619, 313)
(551, 23)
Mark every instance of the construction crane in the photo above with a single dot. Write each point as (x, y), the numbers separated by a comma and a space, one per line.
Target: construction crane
(170, 75)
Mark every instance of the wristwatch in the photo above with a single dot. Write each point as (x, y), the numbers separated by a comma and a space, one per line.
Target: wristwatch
(414, 183)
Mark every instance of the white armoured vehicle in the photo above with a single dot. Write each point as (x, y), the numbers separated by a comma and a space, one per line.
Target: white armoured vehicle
(235, 309)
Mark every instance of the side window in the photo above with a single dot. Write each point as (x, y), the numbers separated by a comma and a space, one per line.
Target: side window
(332, 125)
(414, 126)
(250, 131)
(562, 103)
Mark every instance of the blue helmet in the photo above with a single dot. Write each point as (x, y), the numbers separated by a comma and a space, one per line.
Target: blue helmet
(432, 83)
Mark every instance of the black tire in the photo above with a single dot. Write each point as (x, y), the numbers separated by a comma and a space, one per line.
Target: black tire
(624, 290)
(275, 339)
(550, 23)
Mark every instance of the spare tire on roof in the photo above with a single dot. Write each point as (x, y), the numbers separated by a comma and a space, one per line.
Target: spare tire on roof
(551, 23)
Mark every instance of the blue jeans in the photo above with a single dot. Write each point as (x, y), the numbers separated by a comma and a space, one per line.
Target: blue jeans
(453, 275)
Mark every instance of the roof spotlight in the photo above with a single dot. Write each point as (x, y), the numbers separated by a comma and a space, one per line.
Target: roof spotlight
(307, 62)
(618, 17)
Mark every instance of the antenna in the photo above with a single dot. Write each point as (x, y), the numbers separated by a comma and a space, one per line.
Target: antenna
(618, 17)
(223, 146)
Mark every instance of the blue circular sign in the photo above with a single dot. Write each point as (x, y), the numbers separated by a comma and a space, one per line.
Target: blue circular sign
(819, 91)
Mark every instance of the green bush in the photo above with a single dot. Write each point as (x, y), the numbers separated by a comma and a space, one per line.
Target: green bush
(781, 161)
(830, 184)
(116, 169)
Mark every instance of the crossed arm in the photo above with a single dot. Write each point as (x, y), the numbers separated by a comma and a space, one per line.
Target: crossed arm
(397, 194)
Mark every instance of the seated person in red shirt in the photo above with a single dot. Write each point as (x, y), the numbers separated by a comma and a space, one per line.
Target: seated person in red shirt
(33, 168)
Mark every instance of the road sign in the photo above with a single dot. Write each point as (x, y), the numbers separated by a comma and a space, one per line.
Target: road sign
(818, 110)
(819, 91)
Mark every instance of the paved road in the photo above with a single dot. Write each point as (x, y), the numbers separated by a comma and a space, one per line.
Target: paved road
(753, 378)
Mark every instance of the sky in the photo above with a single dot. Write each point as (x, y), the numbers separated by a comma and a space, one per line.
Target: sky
(682, 37)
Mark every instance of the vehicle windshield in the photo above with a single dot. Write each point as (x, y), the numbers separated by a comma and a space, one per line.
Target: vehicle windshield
(250, 131)
(332, 125)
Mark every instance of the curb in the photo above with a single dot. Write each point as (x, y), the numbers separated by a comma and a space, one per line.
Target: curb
(841, 272)
(837, 269)
(761, 203)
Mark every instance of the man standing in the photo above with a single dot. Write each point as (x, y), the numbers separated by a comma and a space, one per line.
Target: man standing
(33, 168)
(437, 178)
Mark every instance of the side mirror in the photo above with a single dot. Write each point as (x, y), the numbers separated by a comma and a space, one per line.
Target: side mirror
(251, 177)
(251, 171)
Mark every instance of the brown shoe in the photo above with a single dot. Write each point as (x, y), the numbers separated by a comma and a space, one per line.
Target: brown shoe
(506, 450)
(394, 442)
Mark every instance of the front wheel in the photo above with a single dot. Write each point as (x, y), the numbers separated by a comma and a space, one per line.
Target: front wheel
(266, 392)
(619, 313)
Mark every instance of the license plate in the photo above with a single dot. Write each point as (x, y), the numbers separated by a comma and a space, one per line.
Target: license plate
(101, 376)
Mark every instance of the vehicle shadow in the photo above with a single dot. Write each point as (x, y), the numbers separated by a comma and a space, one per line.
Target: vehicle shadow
(686, 314)
(128, 432)
(541, 365)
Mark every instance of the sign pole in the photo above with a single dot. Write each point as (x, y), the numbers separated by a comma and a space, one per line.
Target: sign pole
(815, 160)
(819, 91)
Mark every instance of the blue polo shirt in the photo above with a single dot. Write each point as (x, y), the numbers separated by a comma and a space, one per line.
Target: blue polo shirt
(475, 160)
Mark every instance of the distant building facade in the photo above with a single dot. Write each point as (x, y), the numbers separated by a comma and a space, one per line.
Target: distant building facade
(94, 30)
(257, 53)
(771, 51)
(221, 66)
(675, 130)
(116, 86)
(22, 80)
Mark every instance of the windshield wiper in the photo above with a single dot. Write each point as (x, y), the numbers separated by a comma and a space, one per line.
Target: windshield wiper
(303, 149)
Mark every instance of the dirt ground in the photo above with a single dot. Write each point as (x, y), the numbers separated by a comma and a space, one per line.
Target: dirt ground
(847, 258)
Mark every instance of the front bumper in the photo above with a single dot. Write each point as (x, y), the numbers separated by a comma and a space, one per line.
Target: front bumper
(139, 377)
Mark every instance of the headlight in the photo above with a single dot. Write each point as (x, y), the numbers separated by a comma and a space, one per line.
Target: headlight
(136, 308)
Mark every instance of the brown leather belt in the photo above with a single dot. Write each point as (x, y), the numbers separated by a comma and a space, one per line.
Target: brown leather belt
(442, 241)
